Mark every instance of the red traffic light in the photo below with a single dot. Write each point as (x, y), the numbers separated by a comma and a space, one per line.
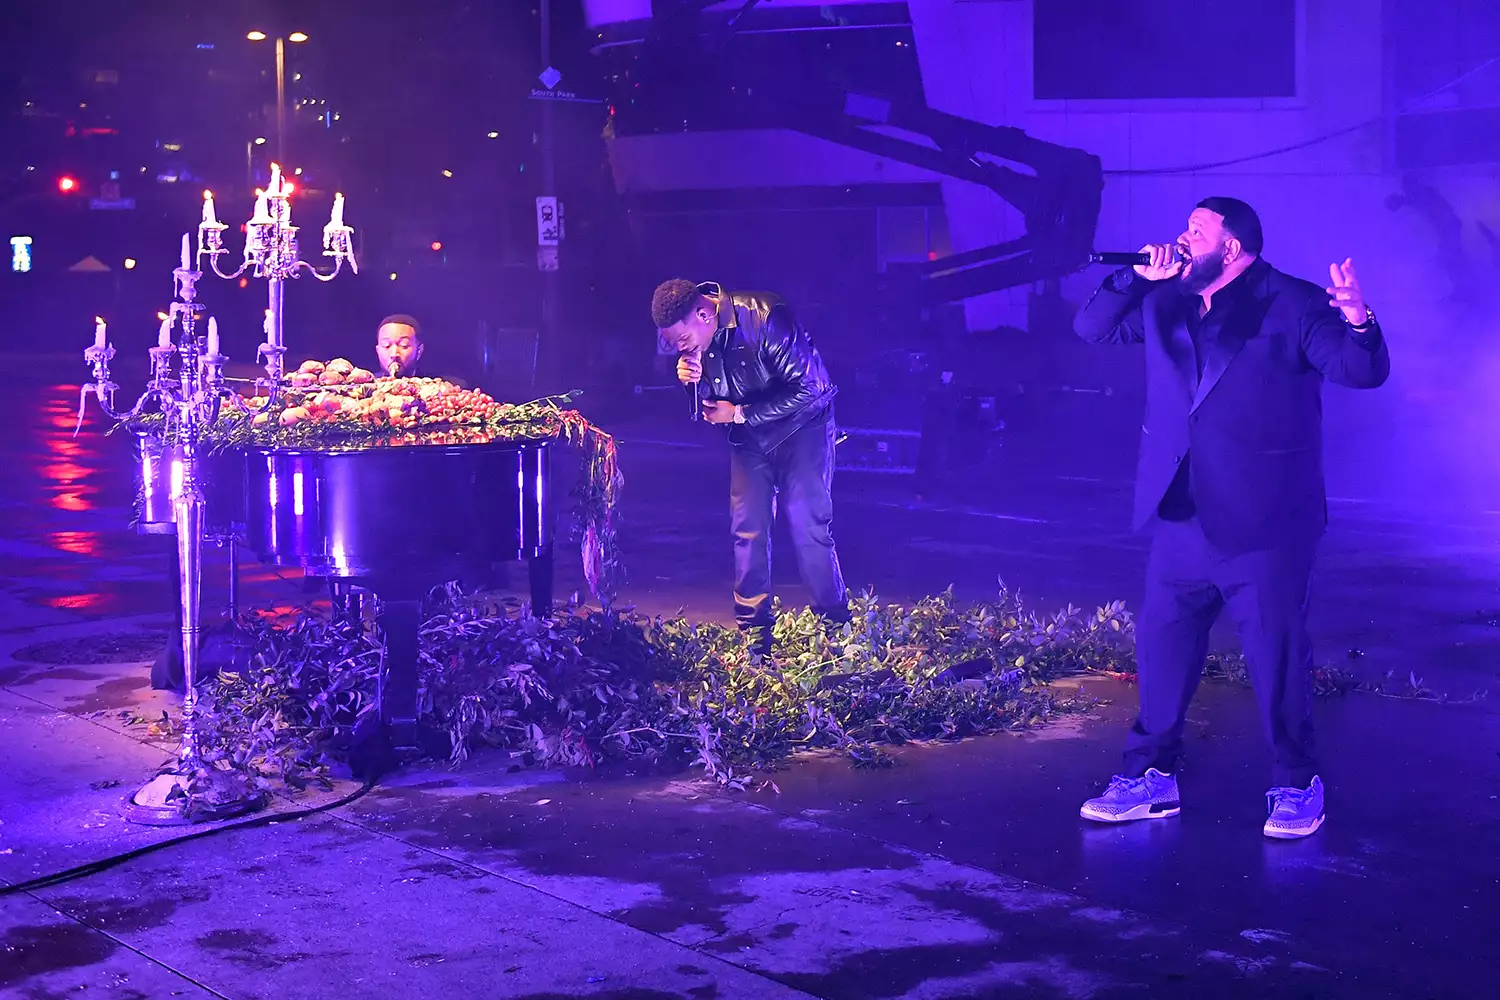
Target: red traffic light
(67, 185)
(437, 245)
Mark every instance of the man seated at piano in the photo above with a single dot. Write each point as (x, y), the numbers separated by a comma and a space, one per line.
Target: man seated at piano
(398, 345)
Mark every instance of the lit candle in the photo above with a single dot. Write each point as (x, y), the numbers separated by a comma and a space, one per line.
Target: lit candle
(164, 335)
(275, 179)
(213, 336)
(270, 328)
(99, 328)
(262, 216)
(338, 210)
(209, 219)
(187, 257)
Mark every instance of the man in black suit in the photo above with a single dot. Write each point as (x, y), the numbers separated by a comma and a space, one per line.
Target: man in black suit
(1230, 484)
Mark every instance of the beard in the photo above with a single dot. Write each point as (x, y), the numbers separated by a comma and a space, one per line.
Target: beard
(1204, 270)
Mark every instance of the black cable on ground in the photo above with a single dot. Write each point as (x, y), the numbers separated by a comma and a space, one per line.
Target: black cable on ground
(104, 864)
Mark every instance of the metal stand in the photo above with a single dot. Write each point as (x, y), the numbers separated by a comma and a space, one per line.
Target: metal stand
(211, 794)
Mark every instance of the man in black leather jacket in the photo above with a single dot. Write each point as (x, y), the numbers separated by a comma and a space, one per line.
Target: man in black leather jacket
(755, 370)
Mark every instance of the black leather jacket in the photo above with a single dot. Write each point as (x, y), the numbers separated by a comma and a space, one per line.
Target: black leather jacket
(763, 359)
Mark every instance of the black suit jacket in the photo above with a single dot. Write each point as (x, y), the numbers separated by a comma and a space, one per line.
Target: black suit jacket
(1253, 421)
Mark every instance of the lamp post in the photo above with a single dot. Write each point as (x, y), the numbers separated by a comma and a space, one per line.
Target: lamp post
(250, 145)
(295, 37)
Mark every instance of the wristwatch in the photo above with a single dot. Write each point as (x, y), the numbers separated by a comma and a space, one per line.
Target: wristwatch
(1367, 324)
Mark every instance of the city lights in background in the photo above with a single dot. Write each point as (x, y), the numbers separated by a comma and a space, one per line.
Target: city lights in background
(393, 275)
(67, 185)
(437, 245)
(447, 173)
(130, 263)
(20, 254)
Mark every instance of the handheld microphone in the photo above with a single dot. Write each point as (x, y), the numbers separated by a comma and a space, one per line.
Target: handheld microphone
(697, 413)
(1125, 259)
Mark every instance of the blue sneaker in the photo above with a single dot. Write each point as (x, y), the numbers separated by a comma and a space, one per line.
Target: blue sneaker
(1152, 796)
(1294, 812)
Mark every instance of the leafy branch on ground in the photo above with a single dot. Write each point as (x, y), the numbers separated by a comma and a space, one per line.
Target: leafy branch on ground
(580, 688)
(583, 687)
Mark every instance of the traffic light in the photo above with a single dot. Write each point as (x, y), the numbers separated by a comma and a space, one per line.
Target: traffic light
(67, 185)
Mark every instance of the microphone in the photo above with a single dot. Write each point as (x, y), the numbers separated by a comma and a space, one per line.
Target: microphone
(1125, 259)
(697, 413)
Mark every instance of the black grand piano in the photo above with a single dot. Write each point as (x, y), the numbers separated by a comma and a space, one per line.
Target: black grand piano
(392, 516)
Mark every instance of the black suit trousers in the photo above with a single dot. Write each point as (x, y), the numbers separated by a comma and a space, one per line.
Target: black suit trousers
(1188, 583)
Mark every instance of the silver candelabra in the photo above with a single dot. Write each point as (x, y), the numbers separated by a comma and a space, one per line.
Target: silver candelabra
(271, 252)
(187, 385)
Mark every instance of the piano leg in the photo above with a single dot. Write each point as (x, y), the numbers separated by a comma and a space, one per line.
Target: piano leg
(539, 572)
(400, 621)
(394, 724)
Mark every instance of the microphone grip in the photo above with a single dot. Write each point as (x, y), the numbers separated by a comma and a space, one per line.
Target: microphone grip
(697, 413)
(1119, 259)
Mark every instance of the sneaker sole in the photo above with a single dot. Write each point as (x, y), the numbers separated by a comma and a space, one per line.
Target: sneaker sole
(1150, 810)
(1280, 834)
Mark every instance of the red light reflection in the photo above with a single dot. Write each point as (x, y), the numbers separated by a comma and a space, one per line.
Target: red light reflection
(78, 602)
(80, 543)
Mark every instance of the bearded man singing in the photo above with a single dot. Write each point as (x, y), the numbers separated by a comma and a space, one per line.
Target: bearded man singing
(1230, 487)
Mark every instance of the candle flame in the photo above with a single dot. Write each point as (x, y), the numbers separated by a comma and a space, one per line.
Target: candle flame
(98, 319)
(207, 195)
(162, 316)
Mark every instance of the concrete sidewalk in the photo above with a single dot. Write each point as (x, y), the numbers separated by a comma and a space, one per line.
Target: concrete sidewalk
(963, 872)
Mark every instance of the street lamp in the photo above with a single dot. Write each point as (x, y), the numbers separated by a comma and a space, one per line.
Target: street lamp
(296, 36)
(250, 145)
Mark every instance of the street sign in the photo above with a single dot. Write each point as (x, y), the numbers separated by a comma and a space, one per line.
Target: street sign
(548, 221)
(550, 78)
(546, 258)
(118, 205)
